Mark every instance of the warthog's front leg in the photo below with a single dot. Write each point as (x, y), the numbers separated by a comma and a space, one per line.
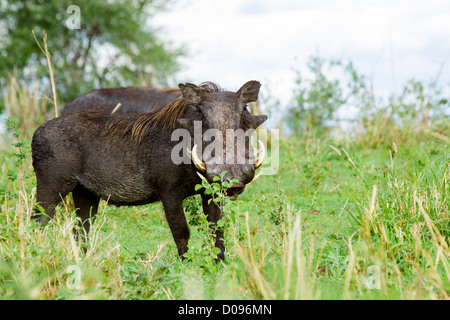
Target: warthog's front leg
(177, 223)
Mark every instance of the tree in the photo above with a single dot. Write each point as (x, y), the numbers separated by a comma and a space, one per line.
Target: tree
(92, 43)
(317, 98)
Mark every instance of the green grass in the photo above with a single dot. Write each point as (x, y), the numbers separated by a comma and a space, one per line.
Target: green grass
(336, 211)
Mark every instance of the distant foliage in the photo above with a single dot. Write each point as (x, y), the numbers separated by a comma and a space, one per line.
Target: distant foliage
(332, 86)
(317, 98)
(421, 111)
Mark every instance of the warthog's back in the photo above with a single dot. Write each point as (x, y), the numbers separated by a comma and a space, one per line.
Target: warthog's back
(132, 99)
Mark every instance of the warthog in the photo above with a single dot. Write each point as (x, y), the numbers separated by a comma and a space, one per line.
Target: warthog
(128, 159)
(132, 99)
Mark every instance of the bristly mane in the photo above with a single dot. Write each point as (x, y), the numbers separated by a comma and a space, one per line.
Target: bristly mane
(164, 117)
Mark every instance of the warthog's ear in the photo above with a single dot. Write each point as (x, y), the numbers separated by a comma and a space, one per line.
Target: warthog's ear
(254, 122)
(191, 93)
(249, 91)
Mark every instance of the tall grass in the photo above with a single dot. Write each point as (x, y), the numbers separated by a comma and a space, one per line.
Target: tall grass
(361, 215)
(397, 247)
(24, 104)
(281, 267)
(404, 228)
(47, 54)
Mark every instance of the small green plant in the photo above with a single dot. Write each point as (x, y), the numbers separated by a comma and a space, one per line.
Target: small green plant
(203, 252)
(23, 149)
(217, 189)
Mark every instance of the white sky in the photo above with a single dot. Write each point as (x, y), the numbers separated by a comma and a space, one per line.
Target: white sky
(233, 41)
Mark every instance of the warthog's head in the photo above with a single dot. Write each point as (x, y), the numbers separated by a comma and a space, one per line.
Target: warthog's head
(225, 126)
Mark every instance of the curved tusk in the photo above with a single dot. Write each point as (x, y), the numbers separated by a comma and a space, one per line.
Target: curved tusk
(254, 178)
(201, 176)
(200, 165)
(262, 155)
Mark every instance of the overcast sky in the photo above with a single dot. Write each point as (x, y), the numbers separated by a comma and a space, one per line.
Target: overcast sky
(233, 41)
